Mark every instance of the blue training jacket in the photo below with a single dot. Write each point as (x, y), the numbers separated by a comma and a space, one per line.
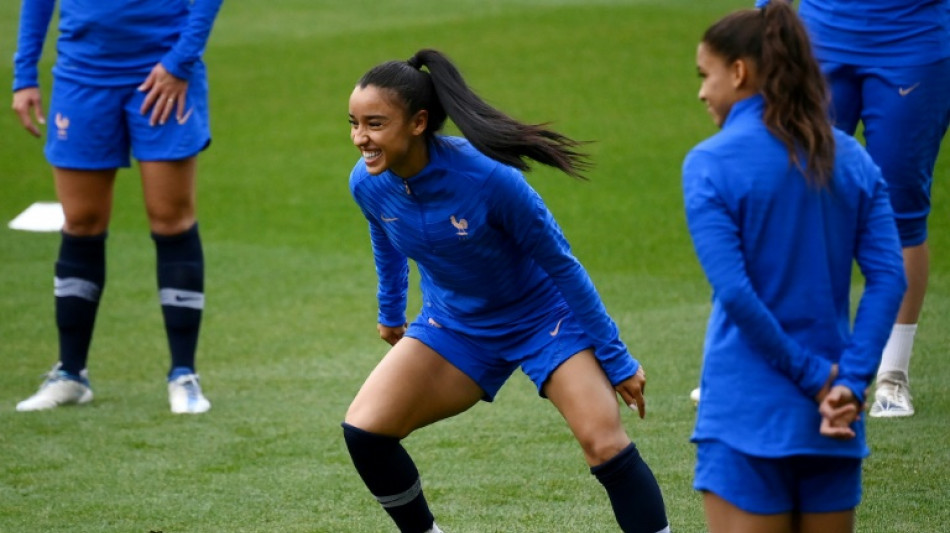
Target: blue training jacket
(114, 42)
(778, 253)
(877, 33)
(490, 255)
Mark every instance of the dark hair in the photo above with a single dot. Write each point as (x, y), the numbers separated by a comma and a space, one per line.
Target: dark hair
(443, 93)
(796, 97)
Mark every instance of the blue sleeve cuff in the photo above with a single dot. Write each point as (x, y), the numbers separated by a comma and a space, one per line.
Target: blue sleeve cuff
(177, 67)
(619, 367)
(392, 320)
(26, 80)
(814, 375)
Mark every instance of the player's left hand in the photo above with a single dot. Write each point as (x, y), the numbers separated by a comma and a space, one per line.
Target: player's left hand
(165, 93)
(632, 390)
(391, 334)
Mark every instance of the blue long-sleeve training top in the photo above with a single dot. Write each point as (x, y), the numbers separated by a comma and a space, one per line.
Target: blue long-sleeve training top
(490, 255)
(877, 33)
(778, 253)
(114, 42)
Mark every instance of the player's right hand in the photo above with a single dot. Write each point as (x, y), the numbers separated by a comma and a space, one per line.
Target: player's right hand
(27, 104)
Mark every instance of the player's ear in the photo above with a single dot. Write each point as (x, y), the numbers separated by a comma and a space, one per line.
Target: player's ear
(420, 121)
(740, 72)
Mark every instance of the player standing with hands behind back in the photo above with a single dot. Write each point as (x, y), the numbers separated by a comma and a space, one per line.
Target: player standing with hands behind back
(128, 77)
(779, 206)
(500, 288)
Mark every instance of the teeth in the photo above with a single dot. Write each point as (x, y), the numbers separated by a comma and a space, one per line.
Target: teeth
(372, 155)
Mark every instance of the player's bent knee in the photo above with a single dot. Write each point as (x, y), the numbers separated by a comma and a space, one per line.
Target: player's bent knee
(603, 448)
(367, 418)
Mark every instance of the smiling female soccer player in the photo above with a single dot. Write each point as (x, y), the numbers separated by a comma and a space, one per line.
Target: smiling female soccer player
(779, 206)
(500, 288)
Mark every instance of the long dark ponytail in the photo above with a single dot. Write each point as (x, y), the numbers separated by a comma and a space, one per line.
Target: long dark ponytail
(796, 96)
(444, 94)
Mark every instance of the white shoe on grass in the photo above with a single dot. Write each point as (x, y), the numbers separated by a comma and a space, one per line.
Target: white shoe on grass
(434, 529)
(892, 397)
(58, 388)
(185, 397)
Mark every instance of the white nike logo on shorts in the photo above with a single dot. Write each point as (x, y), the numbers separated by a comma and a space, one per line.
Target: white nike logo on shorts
(182, 120)
(904, 92)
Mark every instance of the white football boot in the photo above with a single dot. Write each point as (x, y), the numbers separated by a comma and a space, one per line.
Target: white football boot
(58, 388)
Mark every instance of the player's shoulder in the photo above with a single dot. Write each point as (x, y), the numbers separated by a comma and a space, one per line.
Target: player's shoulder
(359, 176)
(459, 154)
(852, 160)
(466, 163)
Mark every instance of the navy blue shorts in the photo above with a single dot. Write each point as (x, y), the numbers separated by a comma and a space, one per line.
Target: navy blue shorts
(491, 361)
(767, 485)
(905, 112)
(96, 128)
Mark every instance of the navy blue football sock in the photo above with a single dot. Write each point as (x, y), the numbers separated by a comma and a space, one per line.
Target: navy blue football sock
(80, 278)
(181, 290)
(391, 476)
(633, 491)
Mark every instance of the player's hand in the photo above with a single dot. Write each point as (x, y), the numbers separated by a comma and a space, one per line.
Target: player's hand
(839, 409)
(632, 390)
(165, 93)
(391, 334)
(27, 104)
(827, 386)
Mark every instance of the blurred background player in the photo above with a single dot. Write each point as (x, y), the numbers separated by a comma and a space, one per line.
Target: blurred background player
(500, 286)
(888, 65)
(779, 206)
(128, 77)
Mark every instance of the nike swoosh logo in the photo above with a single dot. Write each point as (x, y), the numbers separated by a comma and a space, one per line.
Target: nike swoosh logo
(904, 92)
(180, 298)
(388, 219)
(182, 120)
(557, 328)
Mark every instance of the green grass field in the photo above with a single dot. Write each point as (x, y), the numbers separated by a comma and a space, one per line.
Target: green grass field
(289, 331)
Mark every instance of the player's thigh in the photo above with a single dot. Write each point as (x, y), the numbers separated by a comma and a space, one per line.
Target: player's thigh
(86, 197)
(838, 522)
(724, 517)
(411, 387)
(585, 398)
(169, 188)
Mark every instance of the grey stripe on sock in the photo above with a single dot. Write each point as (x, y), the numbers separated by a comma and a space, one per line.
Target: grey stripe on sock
(182, 298)
(402, 498)
(78, 287)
